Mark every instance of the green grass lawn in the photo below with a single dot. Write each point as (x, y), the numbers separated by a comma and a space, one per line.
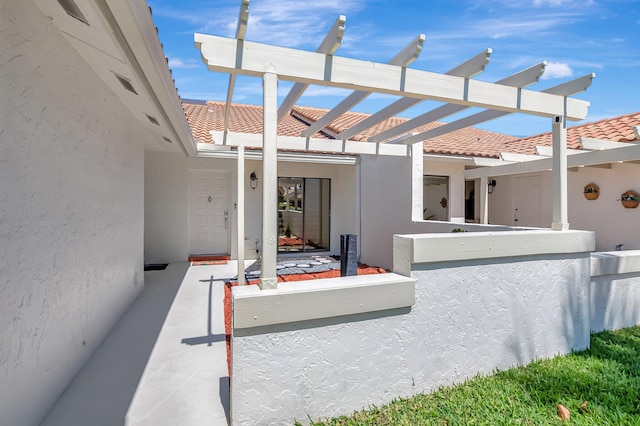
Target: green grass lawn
(607, 376)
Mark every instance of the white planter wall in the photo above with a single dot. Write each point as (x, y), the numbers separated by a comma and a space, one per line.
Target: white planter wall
(469, 317)
(71, 212)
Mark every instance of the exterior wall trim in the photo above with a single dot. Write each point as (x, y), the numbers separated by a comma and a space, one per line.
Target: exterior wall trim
(331, 297)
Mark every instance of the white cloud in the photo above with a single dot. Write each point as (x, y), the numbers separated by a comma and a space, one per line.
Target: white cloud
(557, 70)
(176, 63)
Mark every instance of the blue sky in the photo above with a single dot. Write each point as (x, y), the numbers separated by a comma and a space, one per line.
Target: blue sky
(575, 37)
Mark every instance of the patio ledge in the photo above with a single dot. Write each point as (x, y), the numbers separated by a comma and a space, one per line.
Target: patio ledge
(428, 248)
(615, 262)
(325, 298)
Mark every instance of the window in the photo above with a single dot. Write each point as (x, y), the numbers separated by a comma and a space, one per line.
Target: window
(435, 197)
(303, 214)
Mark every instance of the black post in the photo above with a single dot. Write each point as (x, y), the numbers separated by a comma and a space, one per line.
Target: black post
(348, 255)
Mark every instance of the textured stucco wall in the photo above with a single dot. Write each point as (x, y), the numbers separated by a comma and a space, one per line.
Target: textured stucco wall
(386, 198)
(469, 317)
(166, 201)
(71, 212)
(615, 301)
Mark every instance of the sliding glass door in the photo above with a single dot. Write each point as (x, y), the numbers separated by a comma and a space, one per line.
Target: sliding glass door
(303, 214)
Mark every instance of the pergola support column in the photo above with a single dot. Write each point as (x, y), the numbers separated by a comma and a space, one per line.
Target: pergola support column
(559, 134)
(268, 277)
(240, 215)
(484, 200)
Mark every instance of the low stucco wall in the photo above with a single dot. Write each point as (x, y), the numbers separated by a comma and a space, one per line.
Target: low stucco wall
(470, 317)
(615, 290)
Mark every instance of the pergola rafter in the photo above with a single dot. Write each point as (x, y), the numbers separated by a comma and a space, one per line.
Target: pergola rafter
(329, 46)
(467, 69)
(241, 30)
(564, 89)
(408, 55)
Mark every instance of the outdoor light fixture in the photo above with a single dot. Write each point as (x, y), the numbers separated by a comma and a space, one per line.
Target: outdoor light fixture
(253, 180)
(492, 184)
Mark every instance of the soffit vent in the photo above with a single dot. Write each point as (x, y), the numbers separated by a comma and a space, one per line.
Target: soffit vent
(153, 120)
(126, 83)
(167, 139)
(73, 10)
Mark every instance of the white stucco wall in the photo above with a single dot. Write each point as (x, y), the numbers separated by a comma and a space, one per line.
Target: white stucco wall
(615, 290)
(166, 201)
(612, 223)
(469, 317)
(387, 204)
(71, 212)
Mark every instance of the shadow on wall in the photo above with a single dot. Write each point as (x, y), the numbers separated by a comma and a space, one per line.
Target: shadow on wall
(114, 371)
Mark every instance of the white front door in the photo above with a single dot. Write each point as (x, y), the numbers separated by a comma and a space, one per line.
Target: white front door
(527, 201)
(209, 212)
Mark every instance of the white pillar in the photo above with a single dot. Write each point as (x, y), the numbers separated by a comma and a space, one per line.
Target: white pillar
(560, 216)
(240, 215)
(484, 200)
(268, 277)
(417, 181)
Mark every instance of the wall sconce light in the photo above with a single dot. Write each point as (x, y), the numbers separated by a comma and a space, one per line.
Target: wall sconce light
(253, 180)
(492, 184)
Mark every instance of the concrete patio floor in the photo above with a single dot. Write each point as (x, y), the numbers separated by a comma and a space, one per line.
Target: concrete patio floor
(164, 362)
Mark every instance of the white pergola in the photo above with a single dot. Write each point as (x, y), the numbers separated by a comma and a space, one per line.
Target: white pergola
(456, 88)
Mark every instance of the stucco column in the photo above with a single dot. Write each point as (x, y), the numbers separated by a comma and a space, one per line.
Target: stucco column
(484, 200)
(559, 133)
(417, 181)
(268, 277)
(240, 215)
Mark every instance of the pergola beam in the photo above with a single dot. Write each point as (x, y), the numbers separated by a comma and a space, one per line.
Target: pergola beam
(579, 84)
(408, 55)
(520, 79)
(329, 46)
(225, 55)
(241, 30)
(627, 153)
(325, 146)
(467, 69)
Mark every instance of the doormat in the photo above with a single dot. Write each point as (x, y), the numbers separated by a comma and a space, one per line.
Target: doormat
(203, 257)
(208, 262)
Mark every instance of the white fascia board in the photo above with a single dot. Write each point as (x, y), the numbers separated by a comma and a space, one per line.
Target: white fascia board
(489, 162)
(287, 157)
(316, 299)
(517, 158)
(251, 140)
(628, 152)
(547, 151)
(221, 54)
(134, 21)
(600, 144)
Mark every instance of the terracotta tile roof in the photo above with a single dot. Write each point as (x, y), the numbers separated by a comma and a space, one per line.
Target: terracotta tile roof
(466, 142)
(204, 117)
(617, 129)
